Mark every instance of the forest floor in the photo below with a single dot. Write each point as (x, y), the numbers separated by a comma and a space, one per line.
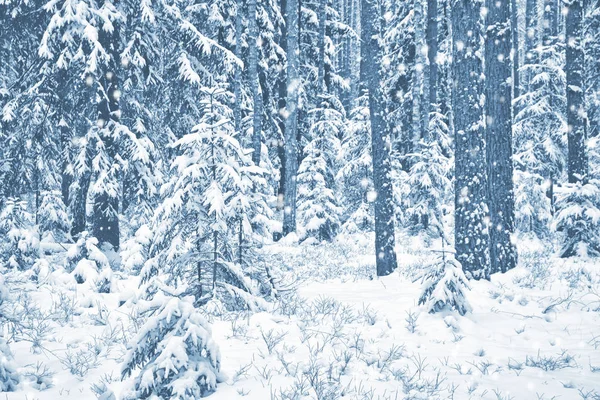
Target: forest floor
(534, 332)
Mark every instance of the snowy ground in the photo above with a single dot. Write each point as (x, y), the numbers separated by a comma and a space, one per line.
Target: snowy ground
(534, 333)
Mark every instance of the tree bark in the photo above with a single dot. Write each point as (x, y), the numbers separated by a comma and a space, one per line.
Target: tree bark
(254, 83)
(432, 48)
(498, 96)
(105, 224)
(514, 23)
(576, 115)
(321, 88)
(471, 213)
(380, 142)
(291, 118)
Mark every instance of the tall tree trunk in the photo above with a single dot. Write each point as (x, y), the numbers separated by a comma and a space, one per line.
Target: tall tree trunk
(385, 237)
(291, 118)
(471, 228)
(498, 96)
(514, 23)
(281, 110)
(105, 224)
(531, 36)
(593, 72)
(254, 83)
(321, 88)
(432, 48)
(576, 115)
(420, 93)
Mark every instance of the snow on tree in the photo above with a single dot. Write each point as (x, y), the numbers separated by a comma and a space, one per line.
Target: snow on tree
(578, 218)
(21, 242)
(210, 192)
(134, 251)
(318, 210)
(471, 211)
(540, 125)
(532, 205)
(89, 265)
(53, 218)
(429, 180)
(381, 140)
(173, 355)
(9, 378)
(354, 178)
(444, 286)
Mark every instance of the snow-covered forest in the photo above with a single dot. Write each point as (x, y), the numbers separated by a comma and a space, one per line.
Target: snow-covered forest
(300, 199)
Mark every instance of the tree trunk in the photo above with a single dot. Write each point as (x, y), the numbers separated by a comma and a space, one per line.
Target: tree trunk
(514, 22)
(594, 72)
(471, 228)
(281, 110)
(498, 96)
(105, 224)
(321, 88)
(432, 48)
(254, 84)
(576, 116)
(380, 142)
(291, 118)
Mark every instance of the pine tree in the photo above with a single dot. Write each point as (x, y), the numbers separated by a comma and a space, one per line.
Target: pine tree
(444, 286)
(53, 217)
(21, 243)
(318, 210)
(9, 378)
(355, 177)
(175, 352)
(578, 218)
(206, 199)
(471, 212)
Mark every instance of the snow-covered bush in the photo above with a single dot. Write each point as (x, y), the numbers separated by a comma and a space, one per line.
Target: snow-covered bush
(89, 265)
(174, 351)
(578, 218)
(53, 217)
(9, 378)
(20, 243)
(444, 286)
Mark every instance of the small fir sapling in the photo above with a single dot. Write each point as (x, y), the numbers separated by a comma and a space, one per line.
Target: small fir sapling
(9, 378)
(578, 218)
(20, 243)
(89, 265)
(318, 209)
(54, 223)
(134, 251)
(444, 285)
(174, 352)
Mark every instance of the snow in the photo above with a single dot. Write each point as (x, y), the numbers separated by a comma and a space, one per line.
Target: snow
(531, 332)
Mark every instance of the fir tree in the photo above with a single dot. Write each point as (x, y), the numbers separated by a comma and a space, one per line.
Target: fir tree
(318, 210)
(174, 352)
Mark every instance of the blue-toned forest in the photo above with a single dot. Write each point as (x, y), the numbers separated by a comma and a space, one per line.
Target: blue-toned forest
(300, 199)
